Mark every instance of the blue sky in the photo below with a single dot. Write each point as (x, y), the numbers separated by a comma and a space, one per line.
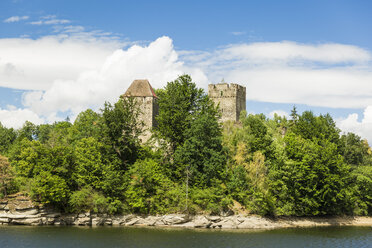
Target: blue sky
(205, 24)
(60, 57)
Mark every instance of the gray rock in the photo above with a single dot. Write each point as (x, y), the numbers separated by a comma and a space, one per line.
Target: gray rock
(44, 220)
(216, 225)
(27, 211)
(101, 221)
(57, 222)
(108, 222)
(29, 221)
(98, 221)
(67, 220)
(50, 221)
(4, 220)
(84, 221)
(227, 223)
(133, 222)
(25, 206)
(52, 215)
(154, 221)
(214, 218)
(202, 221)
(129, 217)
(19, 216)
(117, 221)
(247, 224)
(189, 224)
(174, 219)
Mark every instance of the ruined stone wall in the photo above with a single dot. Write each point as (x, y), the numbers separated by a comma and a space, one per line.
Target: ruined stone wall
(231, 99)
(149, 109)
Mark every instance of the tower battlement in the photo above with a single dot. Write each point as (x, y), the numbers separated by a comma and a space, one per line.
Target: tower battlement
(231, 99)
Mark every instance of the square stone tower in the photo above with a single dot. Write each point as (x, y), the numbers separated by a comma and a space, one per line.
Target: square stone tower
(147, 102)
(231, 99)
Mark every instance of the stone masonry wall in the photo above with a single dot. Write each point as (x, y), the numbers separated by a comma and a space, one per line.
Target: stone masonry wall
(231, 99)
(149, 110)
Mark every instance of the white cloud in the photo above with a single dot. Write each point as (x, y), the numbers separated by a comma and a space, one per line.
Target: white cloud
(50, 20)
(237, 33)
(333, 87)
(279, 113)
(363, 128)
(16, 19)
(16, 117)
(157, 62)
(270, 52)
(327, 75)
(48, 17)
(34, 64)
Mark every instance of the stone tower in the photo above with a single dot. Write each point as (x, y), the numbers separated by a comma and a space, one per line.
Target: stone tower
(231, 99)
(147, 102)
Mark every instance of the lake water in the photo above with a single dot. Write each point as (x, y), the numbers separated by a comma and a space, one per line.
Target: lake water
(40, 237)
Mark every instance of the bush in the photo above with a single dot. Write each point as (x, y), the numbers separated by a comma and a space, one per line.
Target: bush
(211, 200)
(148, 188)
(50, 189)
(87, 199)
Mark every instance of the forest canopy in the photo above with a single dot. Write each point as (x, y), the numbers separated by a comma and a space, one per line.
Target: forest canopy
(297, 166)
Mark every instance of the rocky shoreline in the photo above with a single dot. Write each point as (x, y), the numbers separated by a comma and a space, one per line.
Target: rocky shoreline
(20, 210)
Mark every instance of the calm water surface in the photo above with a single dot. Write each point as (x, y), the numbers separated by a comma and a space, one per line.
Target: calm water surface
(333, 237)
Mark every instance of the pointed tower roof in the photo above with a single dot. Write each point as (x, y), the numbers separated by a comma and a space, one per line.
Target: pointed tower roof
(140, 87)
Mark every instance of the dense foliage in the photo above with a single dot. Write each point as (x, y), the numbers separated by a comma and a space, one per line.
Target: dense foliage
(299, 166)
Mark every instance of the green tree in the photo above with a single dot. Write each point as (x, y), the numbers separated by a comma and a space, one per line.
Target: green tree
(256, 134)
(253, 135)
(188, 123)
(294, 116)
(353, 149)
(88, 199)
(50, 189)
(7, 137)
(43, 132)
(29, 158)
(6, 176)
(362, 178)
(89, 163)
(149, 189)
(27, 131)
(178, 103)
(320, 127)
(122, 128)
(59, 134)
(202, 151)
(87, 124)
(44, 171)
(313, 180)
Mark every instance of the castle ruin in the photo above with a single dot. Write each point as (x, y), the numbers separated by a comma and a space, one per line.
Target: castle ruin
(229, 97)
(147, 102)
